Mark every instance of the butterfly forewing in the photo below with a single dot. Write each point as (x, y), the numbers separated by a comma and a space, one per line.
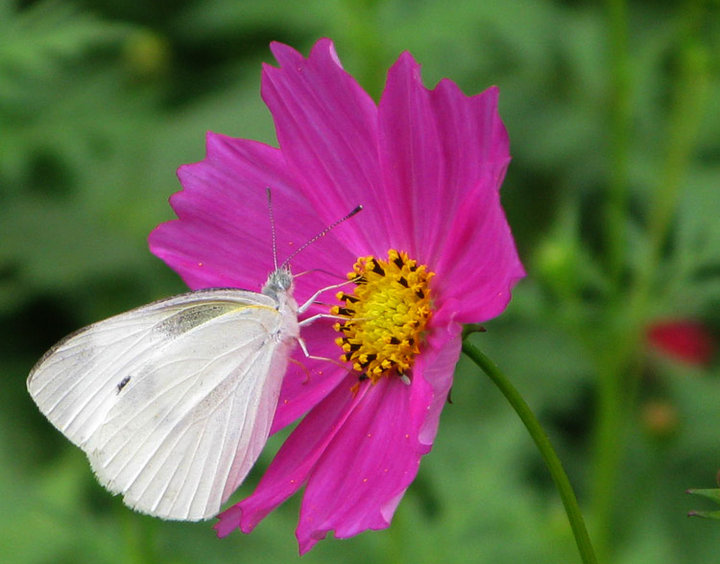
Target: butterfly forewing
(172, 402)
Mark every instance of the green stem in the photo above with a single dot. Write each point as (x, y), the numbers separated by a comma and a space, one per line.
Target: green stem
(691, 94)
(618, 365)
(620, 122)
(543, 443)
(613, 407)
(610, 416)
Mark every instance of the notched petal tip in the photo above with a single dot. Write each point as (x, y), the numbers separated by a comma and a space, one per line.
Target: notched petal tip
(325, 48)
(214, 144)
(406, 67)
(287, 56)
(214, 141)
(284, 54)
(228, 521)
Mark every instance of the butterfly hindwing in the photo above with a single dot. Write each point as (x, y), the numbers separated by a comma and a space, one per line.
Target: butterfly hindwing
(172, 402)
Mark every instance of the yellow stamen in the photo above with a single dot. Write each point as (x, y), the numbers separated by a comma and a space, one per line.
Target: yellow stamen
(386, 315)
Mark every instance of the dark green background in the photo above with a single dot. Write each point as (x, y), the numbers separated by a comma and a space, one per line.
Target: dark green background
(614, 121)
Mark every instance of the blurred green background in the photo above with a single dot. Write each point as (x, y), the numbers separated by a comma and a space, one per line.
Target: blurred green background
(613, 195)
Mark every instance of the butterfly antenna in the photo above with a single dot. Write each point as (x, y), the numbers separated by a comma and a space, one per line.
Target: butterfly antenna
(324, 232)
(272, 227)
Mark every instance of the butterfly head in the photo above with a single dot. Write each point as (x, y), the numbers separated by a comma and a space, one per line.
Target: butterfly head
(279, 282)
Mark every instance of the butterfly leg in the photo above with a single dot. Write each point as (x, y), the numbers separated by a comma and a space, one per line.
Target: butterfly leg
(311, 300)
(314, 318)
(303, 348)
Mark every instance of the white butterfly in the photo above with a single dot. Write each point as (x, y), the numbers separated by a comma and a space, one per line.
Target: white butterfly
(172, 402)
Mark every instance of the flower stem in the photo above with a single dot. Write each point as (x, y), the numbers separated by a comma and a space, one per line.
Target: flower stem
(619, 119)
(546, 450)
(615, 396)
(692, 85)
(619, 365)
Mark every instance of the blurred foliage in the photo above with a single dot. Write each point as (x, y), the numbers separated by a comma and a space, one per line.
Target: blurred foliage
(101, 101)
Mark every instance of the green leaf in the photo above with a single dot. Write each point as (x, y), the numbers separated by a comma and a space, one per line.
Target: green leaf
(711, 494)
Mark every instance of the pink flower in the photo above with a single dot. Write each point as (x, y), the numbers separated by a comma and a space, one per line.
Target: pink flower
(685, 340)
(427, 168)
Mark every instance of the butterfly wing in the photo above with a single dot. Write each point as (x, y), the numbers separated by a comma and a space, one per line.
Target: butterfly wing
(172, 402)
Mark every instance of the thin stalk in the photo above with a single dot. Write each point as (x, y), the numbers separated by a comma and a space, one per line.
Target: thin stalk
(615, 396)
(608, 430)
(619, 366)
(619, 105)
(691, 94)
(546, 450)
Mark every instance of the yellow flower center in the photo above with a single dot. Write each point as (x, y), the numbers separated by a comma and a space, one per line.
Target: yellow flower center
(385, 316)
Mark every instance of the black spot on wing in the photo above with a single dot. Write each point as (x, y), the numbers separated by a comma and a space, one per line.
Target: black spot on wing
(122, 384)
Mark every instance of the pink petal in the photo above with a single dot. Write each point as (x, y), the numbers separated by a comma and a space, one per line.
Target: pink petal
(327, 129)
(411, 159)
(479, 265)
(294, 461)
(436, 365)
(374, 457)
(356, 480)
(308, 381)
(371, 460)
(444, 156)
(222, 236)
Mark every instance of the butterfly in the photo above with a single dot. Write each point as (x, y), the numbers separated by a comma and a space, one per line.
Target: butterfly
(172, 402)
